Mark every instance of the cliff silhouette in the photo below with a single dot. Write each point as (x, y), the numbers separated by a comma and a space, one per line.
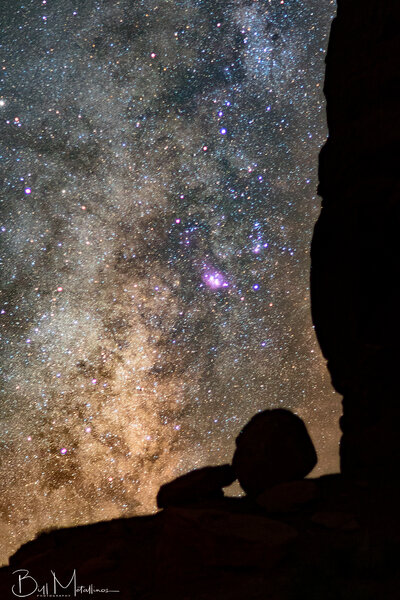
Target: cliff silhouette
(355, 251)
(290, 538)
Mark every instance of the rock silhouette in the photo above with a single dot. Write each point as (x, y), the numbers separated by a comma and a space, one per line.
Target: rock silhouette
(327, 538)
(200, 484)
(272, 448)
(355, 266)
(288, 496)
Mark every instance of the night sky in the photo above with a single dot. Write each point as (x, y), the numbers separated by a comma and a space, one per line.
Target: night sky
(158, 186)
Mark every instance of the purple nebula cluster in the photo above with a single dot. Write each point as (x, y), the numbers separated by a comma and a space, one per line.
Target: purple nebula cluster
(214, 280)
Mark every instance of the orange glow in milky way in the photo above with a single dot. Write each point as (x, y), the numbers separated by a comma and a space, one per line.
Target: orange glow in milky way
(159, 177)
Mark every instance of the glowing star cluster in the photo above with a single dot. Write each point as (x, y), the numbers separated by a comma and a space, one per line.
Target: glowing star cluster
(159, 168)
(214, 280)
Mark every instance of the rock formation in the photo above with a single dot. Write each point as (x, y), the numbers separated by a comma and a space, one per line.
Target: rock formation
(327, 539)
(355, 250)
(272, 448)
(198, 485)
(288, 496)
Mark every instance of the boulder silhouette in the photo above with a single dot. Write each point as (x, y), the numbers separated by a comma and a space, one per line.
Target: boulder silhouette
(272, 448)
(200, 484)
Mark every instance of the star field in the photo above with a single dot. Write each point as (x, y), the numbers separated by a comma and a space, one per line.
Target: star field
(159, 171)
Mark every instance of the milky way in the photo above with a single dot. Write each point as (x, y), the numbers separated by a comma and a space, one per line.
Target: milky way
(159, 171)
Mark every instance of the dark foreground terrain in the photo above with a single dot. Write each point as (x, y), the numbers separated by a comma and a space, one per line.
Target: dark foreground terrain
(316, 539)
